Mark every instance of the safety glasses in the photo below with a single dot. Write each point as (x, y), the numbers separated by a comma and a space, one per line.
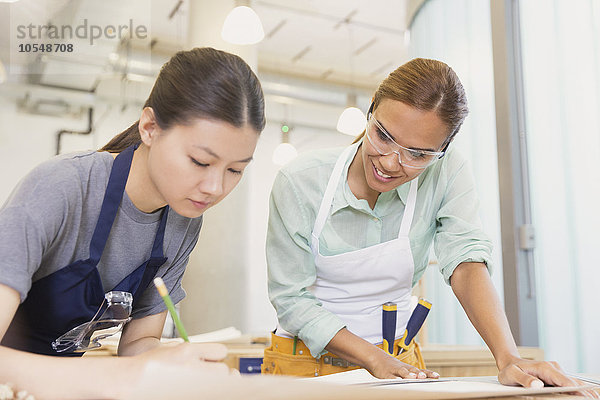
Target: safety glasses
(112, 315)
(384, 144)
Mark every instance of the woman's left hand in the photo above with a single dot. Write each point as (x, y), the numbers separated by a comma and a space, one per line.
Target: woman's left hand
(534, 374)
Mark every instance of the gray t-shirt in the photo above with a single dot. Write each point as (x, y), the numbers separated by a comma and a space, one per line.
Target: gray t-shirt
(48, 221)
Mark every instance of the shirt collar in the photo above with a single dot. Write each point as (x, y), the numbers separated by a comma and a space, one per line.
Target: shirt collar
(346, 198)
(403, 190)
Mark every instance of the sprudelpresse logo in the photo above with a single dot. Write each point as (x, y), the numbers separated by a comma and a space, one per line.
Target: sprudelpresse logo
(37, 37)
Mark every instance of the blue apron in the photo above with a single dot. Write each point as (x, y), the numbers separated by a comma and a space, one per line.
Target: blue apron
(71, 296)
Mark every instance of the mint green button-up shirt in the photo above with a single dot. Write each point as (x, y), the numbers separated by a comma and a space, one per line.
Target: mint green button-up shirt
(446, 215)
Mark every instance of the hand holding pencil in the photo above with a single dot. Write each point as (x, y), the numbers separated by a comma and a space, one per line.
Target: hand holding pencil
(211, 352)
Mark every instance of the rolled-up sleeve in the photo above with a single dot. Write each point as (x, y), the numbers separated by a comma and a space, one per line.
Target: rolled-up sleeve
(459, 237)
(291, 270)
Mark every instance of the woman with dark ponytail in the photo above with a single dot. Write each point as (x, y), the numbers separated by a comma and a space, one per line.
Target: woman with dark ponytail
(83, 235)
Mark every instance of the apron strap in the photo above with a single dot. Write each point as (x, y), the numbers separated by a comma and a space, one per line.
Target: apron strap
(139, 280)
(157, 259)
(334, 179)
(112, 199)
(157, 247)
(409, 210)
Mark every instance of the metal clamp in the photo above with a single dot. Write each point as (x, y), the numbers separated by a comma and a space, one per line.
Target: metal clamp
(337, 362)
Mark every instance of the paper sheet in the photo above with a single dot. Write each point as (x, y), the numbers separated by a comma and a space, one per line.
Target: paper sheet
(110, 344)
(216, 336)
(471, 386)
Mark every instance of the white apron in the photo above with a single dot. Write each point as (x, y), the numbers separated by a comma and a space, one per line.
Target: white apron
(355, 285)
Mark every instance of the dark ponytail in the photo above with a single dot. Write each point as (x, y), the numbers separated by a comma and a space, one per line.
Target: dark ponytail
(201, 83)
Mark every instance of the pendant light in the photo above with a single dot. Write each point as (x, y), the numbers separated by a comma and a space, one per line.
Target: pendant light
(242, 26)
(352, 121)
(285, 151)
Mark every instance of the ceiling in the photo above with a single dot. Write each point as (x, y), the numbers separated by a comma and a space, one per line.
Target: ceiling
(357, 41)
(339, 42)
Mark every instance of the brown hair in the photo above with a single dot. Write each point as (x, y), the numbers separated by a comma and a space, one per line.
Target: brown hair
(201, 83)
(428, 85)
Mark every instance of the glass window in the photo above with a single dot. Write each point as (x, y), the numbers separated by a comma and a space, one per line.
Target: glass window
(561, 68)
(458, 32)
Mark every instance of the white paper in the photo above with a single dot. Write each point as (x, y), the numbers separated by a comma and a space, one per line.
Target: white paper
(112, 342)
(363, 377)
(487, 385)
(216, 336)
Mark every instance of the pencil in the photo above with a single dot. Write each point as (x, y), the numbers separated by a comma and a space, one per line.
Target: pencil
(164, 293)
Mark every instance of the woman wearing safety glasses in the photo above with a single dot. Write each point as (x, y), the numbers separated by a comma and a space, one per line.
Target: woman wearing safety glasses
(350, 230)
(84, 224)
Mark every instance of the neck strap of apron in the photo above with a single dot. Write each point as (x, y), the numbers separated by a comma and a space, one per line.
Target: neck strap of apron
(157, 247)
(409, 208)
(112, 200)
(332, 185)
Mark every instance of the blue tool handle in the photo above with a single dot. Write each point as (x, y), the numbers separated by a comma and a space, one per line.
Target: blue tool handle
(388, 326)
(415, 322)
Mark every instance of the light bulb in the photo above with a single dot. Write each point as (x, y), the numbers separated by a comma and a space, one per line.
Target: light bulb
(284, 153)
(352, 121)
(242, 26)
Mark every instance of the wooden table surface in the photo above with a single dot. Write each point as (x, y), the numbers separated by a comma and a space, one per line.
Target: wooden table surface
(285, 388)
(449, 360)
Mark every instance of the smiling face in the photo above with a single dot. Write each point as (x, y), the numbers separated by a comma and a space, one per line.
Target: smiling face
(193, 167)
(372, 173)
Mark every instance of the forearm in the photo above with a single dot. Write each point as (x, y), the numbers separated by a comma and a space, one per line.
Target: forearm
(66, 378)
(142, 334)
(473, 287)
(138, 346)
(358, 351)
(354, 349)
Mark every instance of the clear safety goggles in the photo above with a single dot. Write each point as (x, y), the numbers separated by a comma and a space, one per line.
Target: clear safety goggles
(383, 144)
(113, 314)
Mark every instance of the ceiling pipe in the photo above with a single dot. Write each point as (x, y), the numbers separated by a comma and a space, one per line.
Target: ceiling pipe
(312, 90)
(70, 132)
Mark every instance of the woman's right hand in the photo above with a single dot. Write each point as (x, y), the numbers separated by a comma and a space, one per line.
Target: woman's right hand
(380, 364)
(384, 366)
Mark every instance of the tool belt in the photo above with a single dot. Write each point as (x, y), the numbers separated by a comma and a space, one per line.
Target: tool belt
(280, 359)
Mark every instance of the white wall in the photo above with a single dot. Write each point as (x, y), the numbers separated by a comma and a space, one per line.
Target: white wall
(26, 140)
